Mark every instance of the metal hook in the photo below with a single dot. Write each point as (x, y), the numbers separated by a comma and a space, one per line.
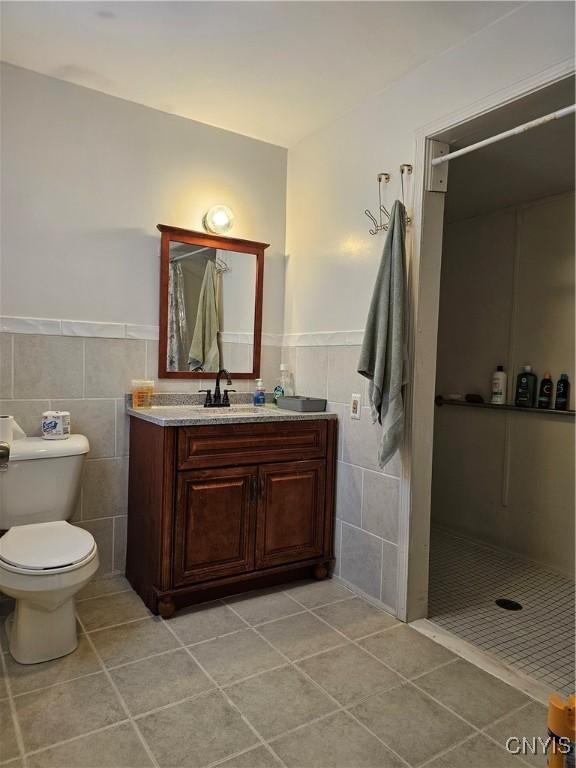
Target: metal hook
(379, 226)
(405, 168)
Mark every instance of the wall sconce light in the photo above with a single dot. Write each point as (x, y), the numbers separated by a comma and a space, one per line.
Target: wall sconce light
(218, 219)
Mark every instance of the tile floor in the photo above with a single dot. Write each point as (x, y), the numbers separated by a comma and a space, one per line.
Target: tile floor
(308, 676)
(466, 578)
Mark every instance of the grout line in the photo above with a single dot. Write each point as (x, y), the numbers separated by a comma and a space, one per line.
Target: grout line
(83, 368)
(339, 705)
(120, 697)
(73, 739)
(223, 692)
(12, 706)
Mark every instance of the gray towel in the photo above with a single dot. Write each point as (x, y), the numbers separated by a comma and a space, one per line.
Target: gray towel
(382, 359)
(204, 352)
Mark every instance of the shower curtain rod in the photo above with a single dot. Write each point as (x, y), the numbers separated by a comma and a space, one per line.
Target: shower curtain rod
(506, 134)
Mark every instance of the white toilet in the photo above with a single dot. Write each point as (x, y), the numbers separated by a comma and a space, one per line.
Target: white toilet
(44, 560)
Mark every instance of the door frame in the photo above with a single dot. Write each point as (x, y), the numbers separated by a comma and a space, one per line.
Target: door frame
(424, 297)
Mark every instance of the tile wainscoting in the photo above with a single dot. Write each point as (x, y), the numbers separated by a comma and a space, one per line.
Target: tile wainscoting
(90, 375)
(367, 501)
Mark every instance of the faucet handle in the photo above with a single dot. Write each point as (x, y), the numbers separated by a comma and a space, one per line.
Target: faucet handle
(226, 399)
(208, 400)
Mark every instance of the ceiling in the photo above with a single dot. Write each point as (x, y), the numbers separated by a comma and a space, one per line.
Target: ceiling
(276, 71)
(518, 170)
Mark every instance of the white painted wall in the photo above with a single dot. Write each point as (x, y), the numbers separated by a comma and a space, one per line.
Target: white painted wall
(85, 179)
(332, 173)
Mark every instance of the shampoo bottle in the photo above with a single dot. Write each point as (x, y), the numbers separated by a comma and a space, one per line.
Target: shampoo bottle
(499, 380)
(562, 393)
(526, 388)
(545, 394)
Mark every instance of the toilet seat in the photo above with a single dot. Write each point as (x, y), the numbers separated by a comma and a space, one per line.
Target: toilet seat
(46, 548)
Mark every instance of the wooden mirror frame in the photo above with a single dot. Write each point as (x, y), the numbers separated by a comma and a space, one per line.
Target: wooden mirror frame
(190, 237)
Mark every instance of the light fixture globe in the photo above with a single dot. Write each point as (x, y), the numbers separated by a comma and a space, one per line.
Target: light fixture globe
(218, 219)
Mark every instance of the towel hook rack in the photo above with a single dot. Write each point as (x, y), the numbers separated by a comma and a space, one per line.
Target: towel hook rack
(379, 225)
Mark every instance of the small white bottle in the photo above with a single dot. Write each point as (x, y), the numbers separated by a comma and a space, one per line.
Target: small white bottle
(499, 382)
(285, 387)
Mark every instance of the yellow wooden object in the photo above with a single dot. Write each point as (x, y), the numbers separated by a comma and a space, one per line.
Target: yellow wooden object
(562, 729)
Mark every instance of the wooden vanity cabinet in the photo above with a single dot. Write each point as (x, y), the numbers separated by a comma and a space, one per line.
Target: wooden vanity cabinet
(216, 510)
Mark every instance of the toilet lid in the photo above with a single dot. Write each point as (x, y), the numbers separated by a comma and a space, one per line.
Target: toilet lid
(42, 546)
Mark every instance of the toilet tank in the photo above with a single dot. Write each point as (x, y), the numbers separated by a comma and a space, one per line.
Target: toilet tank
(42, 481)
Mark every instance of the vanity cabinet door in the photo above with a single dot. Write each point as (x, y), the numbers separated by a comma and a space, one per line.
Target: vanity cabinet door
(215, 521)
(290, 512)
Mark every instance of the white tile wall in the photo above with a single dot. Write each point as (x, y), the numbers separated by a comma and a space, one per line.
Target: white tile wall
(367, 499)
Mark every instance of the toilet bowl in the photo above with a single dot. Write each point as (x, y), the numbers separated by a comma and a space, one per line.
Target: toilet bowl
(44, 560)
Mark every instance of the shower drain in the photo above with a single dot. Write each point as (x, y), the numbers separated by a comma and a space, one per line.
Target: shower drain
(508, 605)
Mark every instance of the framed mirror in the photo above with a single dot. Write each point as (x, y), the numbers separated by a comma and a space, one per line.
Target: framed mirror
(210, 305)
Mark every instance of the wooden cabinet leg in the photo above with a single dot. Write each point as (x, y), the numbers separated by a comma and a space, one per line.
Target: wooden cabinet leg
(166, 607)
(320, 571)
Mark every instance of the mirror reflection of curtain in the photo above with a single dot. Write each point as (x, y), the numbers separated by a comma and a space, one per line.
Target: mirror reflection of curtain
(177, 328)
(204, 354)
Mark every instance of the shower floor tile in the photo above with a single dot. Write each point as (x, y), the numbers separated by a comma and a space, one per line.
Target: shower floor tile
(467, 577)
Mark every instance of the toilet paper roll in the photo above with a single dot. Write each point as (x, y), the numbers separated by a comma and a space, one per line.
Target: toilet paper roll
(10, 430)
(56, 425)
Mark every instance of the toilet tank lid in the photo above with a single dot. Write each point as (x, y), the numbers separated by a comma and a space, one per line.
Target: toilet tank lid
(38, 448)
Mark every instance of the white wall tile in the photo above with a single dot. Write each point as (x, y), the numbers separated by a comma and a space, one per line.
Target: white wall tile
(28, 414)
(349, 493)
(105, 488)
(380, 500)
(47, 367)
(95, 419)
(5, 365)
(111, 364)
(389, 574)
(361, 560)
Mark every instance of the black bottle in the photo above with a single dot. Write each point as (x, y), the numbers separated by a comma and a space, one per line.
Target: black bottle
(526, 388)
(546, 391)
(562, 393)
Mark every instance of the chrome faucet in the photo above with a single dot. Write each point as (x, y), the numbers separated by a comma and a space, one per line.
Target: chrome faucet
(4, 456)
(218, 400)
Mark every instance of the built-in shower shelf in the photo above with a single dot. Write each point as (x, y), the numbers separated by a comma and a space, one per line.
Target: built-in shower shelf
(439, 400)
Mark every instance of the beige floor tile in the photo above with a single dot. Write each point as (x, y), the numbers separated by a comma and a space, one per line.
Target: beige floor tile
(104, 586)
(160, 680)
(349, 674)
(279, 701)
(16, 763)
(204, 622)
(228, 659)
(475, 695)
(116, 747)
(356, 618)
(263, 606)
(335, 742)
(196, 733)
(28, 677)
(132, 641)
(109, 610)
(316, 593)
(407, 651)
(477, 752)
(531, 722)
(410, 723)
(300, 635)
(255, 758)
(67, 710)
(8, 744)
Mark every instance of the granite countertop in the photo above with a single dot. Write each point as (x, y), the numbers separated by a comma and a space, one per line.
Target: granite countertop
(197, 415)
(173, 409)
